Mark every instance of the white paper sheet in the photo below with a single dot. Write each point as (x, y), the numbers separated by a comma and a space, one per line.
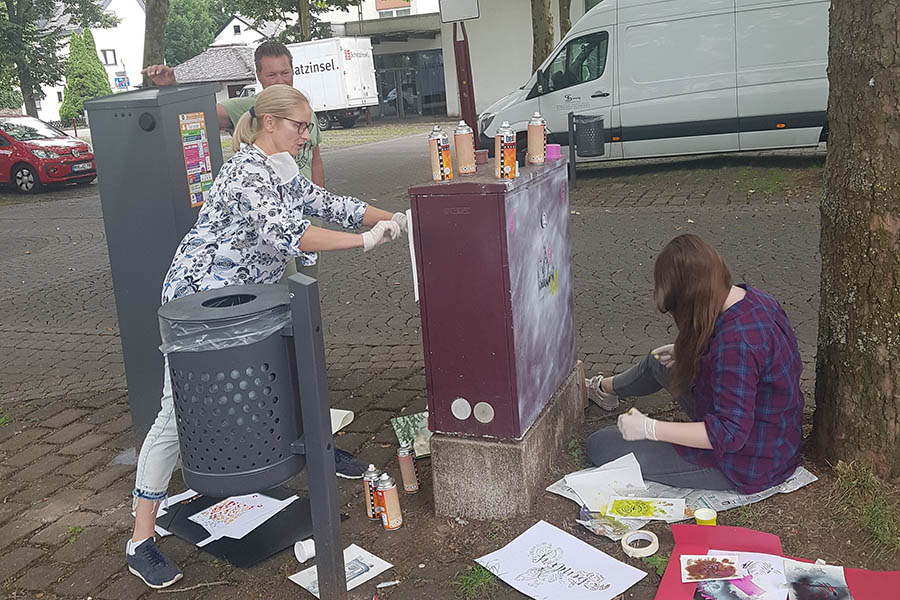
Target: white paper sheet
(340, 419)
(546, 563)
(359, 567)
(237, 516)
(412, 253)
(595, 486)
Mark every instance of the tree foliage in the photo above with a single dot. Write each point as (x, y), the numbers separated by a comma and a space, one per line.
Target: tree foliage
(32, 33)
(285, 12)
(189, 29)
(85, 76)
(10, 96)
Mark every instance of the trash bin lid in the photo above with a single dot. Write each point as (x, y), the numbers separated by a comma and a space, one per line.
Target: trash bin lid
(226, 303)
(155, 96)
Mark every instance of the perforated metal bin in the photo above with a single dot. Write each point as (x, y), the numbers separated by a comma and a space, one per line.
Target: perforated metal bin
(237, 402)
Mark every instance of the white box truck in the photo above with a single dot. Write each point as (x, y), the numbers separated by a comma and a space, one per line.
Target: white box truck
(674, 77)
(337, 75)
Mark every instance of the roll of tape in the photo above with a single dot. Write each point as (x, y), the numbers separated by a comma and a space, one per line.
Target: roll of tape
(640, 552)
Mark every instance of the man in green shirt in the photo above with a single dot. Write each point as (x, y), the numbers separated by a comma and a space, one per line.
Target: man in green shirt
(274, 65)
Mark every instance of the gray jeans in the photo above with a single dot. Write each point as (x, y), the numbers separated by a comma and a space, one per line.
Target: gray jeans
(659, 461)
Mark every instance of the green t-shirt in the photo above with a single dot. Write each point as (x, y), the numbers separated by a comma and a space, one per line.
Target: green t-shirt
(235, 107)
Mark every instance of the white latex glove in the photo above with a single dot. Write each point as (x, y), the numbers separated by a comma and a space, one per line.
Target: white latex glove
(382, 232)
(665, 355)
(635, 425)
(400, 219)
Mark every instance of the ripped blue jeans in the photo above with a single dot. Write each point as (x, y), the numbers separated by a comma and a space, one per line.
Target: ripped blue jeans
(159, 453)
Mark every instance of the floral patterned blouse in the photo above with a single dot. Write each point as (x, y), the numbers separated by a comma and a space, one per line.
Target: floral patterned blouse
(251, 225)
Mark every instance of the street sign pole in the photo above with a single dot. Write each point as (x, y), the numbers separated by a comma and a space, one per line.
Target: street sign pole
(464, 76)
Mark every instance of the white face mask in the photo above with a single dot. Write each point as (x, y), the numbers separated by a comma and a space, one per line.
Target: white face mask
(284, 165)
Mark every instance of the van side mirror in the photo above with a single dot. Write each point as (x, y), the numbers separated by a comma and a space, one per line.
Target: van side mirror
(540, 81)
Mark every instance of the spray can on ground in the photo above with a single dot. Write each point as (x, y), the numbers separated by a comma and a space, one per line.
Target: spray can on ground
(505, 152)
(537, 140)
(409, 471)
(439, 148)
(370, 478)
(464, 141)
(389, 502)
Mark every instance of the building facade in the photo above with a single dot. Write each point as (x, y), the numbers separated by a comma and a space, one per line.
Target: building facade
(120, 50)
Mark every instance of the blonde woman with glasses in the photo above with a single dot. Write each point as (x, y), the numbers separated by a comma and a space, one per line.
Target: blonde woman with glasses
(254, 221)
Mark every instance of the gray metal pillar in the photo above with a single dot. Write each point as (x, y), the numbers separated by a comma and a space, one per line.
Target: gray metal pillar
(156, 150)
(315, 407)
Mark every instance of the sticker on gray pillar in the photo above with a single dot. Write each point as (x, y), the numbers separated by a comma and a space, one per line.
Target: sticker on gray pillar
(461, 409)
(484, 412)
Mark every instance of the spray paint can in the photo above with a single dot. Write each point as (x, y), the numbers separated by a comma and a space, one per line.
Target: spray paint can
(505, 152)
(439, 148)
(464, 141)
(389, 502)
(537, 140)
(370, 478)
(409, 470)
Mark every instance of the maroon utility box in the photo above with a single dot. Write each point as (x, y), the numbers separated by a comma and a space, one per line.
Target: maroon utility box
(495, 293)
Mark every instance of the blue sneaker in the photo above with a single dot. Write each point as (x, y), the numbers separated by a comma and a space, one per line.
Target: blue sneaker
(348, 466)
(152, 566)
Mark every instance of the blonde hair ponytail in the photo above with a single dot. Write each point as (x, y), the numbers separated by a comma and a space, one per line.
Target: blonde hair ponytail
(276, 100)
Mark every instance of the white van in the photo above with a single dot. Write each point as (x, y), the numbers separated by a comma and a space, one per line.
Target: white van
(672, 77)
(336, 74)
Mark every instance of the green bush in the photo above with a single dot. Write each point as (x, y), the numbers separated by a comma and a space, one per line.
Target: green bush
(85, 76)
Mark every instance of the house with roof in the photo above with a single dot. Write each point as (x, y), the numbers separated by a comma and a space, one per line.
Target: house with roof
(240, 30)
(231, 67)
(120, 50)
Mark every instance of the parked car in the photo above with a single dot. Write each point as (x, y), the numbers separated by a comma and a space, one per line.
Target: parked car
(34, 154)
(676, 77)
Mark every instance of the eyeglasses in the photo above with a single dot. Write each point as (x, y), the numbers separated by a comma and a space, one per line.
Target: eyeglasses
(301, 126)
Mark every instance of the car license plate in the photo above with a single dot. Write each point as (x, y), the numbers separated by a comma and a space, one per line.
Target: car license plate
(85, 166)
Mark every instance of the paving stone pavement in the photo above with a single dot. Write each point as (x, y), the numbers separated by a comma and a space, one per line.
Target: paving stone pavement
(65, 508)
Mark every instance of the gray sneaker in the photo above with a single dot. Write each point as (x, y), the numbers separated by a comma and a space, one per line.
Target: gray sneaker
(152, 566)
(348, 466)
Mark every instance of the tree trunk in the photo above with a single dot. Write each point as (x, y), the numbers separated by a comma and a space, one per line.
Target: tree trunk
(541, 32)
(26, 86)
(303, 16)
(858, 360)
(565, 20)
(157, 12)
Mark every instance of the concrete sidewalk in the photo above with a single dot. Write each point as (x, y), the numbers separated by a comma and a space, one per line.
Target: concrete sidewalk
(65, 511)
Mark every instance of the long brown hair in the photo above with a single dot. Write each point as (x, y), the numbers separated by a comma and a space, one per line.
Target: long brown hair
(690, 282)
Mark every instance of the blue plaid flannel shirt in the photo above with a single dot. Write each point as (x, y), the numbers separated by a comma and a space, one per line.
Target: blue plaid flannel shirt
(747, 392)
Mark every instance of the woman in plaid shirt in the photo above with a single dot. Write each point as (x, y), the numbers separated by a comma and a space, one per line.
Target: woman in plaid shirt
(735, 370)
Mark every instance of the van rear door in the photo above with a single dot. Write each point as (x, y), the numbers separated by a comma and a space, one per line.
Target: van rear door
(579, 79)
(677, 81)
(782, 59)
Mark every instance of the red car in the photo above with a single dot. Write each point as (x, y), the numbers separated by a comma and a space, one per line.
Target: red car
(33, 154)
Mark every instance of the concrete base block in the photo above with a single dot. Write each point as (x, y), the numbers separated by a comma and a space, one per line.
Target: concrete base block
(483, 478)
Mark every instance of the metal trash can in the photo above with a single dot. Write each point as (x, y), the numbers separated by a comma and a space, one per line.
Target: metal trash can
(590, 135)
(237, 402)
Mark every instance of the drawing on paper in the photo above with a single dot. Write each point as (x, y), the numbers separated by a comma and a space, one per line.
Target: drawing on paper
(811, 582)
(551, 568)
(224, 513)
(645, 508)
(706, 567)
(412, 430)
